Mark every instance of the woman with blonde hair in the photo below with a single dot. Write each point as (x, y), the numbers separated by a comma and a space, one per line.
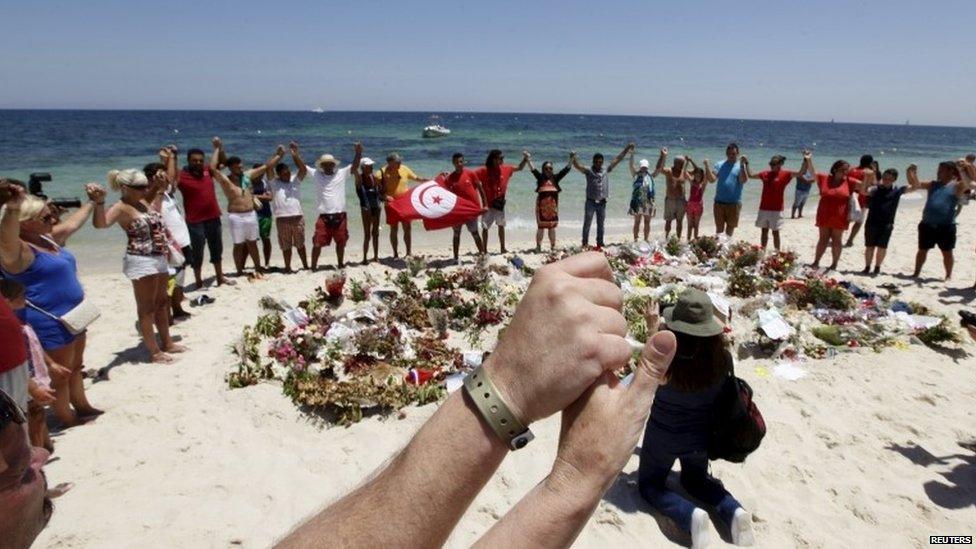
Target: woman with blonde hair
(32, 239)
(146, 256)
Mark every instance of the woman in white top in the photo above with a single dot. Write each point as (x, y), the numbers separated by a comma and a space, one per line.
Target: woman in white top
(167, 205)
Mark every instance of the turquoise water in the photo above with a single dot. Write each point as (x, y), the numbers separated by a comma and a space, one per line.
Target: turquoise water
(81, 146)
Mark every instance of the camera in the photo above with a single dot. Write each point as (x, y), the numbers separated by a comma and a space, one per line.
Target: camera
(35, 186)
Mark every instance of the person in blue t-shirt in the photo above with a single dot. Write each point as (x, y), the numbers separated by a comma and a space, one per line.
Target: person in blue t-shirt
(938, 226)
(729, 178)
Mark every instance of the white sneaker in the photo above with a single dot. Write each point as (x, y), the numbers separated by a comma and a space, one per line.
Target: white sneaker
(701, 529)
(742, 528)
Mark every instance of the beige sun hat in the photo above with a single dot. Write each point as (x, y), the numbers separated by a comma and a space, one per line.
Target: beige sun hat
(327, 159)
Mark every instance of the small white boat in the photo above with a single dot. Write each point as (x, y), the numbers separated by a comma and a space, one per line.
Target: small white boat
(436, 130)
(318, 110)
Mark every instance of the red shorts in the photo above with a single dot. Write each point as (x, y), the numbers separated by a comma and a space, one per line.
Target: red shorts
(329, 227)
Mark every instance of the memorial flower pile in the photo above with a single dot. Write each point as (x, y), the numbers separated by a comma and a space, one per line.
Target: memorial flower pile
(397, 342)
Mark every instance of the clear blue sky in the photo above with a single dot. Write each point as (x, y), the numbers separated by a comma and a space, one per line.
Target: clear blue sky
(869, 61)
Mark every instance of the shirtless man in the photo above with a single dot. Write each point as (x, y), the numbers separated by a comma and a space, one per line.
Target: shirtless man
(675, 200)
(241, 215)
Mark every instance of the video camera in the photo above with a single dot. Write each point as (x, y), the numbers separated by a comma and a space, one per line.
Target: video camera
(36, 188)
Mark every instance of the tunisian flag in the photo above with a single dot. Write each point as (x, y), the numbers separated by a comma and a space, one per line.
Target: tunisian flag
(438, 207)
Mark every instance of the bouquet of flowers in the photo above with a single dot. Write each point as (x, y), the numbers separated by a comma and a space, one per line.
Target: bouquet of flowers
(297, 347)
(415, 264)
(820, 293)
(473, 279)
(406, 285)
(778, 266)
(487, 316)
(359, 291)
(742, 255)
(742, 283)
(410, 311)
(705, 248)
(673, 246)
(437, 281)
(440, 299)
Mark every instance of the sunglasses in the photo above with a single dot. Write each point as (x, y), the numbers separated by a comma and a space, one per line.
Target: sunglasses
(9, 411)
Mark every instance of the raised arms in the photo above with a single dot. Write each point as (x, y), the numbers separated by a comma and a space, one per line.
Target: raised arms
(617, 159)
(574, 161)
(15, 255)
(269, 166)
(296, 157)
(661, 159)
(357, 156)
(913, 183)
(525, 161)
(225, 183)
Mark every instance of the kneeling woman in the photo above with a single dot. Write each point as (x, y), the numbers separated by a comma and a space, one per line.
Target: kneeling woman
(680, 423)
(145, 262)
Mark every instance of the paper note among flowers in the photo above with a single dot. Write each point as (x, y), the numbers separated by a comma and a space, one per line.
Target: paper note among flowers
(773, 325)
(789, 371)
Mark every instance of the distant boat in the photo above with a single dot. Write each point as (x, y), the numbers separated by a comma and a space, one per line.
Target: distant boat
(435, 129)
(831, 120)
(908, 122)
(318, 110)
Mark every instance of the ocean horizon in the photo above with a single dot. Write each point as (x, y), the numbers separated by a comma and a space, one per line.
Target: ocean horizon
(78, 146)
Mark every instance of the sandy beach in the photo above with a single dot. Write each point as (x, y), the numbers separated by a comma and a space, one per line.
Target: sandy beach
(864, 451)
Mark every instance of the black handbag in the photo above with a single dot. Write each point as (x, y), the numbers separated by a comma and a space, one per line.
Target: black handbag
(737, 425)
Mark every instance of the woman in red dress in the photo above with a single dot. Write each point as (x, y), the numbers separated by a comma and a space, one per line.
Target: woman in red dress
(836, 189)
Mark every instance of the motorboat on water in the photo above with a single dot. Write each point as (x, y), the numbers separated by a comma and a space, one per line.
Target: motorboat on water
(436, 130)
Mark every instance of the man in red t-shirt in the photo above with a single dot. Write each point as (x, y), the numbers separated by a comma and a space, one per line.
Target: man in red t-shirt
(202, 215)
(867, 163)
(774, 180)
(465, 184)
(494, 176)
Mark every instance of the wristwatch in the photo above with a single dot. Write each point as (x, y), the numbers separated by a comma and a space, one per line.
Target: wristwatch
(495, 411)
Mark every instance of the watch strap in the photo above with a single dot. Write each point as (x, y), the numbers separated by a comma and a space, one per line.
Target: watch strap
(495, 411)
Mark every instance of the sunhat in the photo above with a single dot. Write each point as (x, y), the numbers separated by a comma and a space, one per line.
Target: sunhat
(327, 159)
(693, 315)
(367, 161)
(644, 163)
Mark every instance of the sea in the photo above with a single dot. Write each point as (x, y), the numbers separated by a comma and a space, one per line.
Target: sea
(79, 146)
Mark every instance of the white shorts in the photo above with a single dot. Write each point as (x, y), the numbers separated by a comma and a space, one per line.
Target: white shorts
(243, 227)
(14, 383)
(139, 266)
(493, 217)
(770, 219)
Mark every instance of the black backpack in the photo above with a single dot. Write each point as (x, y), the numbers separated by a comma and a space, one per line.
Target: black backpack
(737, 425)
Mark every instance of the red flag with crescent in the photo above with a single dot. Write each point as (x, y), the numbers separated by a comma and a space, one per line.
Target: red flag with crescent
(436, 206)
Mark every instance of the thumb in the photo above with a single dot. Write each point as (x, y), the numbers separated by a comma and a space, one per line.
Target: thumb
(652, 366)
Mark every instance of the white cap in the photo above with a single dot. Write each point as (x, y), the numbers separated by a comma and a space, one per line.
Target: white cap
(366, 161)
(644, 163)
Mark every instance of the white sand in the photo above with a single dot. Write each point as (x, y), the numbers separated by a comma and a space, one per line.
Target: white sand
(180, 460)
